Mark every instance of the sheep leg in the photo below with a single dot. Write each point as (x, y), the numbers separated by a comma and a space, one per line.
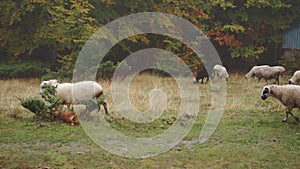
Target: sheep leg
(266, 81)
(286, 116)
(105, 107)
(296, 118)
(276, 80)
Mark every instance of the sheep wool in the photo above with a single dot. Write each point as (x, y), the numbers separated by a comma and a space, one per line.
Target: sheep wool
(288, 95)
(254, 69)
(220, 72)
(295, 78)
(269, 73)
(74, 93)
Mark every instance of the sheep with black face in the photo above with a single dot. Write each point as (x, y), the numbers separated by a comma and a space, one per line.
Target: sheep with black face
(288, 95)
(295, 78)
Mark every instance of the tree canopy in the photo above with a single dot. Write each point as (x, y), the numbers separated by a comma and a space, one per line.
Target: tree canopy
(242, 28)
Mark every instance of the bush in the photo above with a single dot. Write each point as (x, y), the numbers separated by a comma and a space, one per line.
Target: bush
(22, 70)
(36, 106)
(291, 60)
(39, 107)
(105, 70)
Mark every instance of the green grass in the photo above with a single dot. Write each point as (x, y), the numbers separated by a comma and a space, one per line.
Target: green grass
(250, 135)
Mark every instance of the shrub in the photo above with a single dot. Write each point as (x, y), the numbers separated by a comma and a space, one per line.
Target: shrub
(39, 107)
(22, 70)
(291, 60)
(105, 70)
(36, 106)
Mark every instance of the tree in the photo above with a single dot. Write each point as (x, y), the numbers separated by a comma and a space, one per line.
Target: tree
(247, 28)
(58, 26)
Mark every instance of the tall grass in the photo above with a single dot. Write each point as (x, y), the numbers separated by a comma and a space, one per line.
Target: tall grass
(242, 94)
(10, 93)
(250, 134)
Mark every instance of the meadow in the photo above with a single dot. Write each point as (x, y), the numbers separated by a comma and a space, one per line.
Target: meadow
(249, 135)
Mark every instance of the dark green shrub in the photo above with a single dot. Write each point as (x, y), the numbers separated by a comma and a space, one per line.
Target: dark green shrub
(55, 75)
(36, 106)
(40, 108)
(22, 70)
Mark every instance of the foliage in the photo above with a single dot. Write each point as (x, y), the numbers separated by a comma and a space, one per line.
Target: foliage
(40, 108)
(59, 26)
(246, 28)
(291, 59)
(36, 106)
(22, 69)
(48, 95)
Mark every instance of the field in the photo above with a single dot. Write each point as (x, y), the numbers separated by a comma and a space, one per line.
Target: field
(249, 135)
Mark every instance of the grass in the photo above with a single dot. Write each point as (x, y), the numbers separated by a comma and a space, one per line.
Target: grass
(250, 134)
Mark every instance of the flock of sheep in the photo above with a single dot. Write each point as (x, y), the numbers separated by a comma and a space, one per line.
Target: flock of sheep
(289, 95)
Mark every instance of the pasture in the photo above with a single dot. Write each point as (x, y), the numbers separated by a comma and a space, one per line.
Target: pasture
(250, 134)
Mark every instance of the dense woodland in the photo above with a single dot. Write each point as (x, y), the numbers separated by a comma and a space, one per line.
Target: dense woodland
(50, 34)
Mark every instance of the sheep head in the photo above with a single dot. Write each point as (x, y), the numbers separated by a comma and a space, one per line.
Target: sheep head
(265, 92)
(291, 81)
(44, 84)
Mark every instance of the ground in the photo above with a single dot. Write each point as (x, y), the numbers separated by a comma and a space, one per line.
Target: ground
(249, 135)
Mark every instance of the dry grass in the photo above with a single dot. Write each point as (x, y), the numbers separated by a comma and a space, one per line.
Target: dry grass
(13, 90)
(242, 94)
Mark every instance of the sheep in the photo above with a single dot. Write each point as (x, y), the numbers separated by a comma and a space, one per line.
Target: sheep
(289, 95)
(254, 69)
(220, 72)
(268, 73)
(74, 93)
(295, 78)
(201, 75)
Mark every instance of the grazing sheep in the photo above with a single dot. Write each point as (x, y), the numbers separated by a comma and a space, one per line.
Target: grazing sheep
(268, 73)
(295, 78)
(74, 93)
(220, 72)
(201, 75)
(254, 69)
(289, 95)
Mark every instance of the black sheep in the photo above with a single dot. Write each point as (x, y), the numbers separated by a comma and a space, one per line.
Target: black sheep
(201, 75)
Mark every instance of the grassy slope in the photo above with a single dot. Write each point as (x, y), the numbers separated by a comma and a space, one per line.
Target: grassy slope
(250, 135)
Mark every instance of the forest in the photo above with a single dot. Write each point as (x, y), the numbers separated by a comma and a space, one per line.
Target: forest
(40, 37)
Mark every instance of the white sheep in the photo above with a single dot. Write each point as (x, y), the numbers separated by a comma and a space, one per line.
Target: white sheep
(268, 73)
(254, 69)
(220, 72)
(289, 95)
(295, 78)
(74, 93)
